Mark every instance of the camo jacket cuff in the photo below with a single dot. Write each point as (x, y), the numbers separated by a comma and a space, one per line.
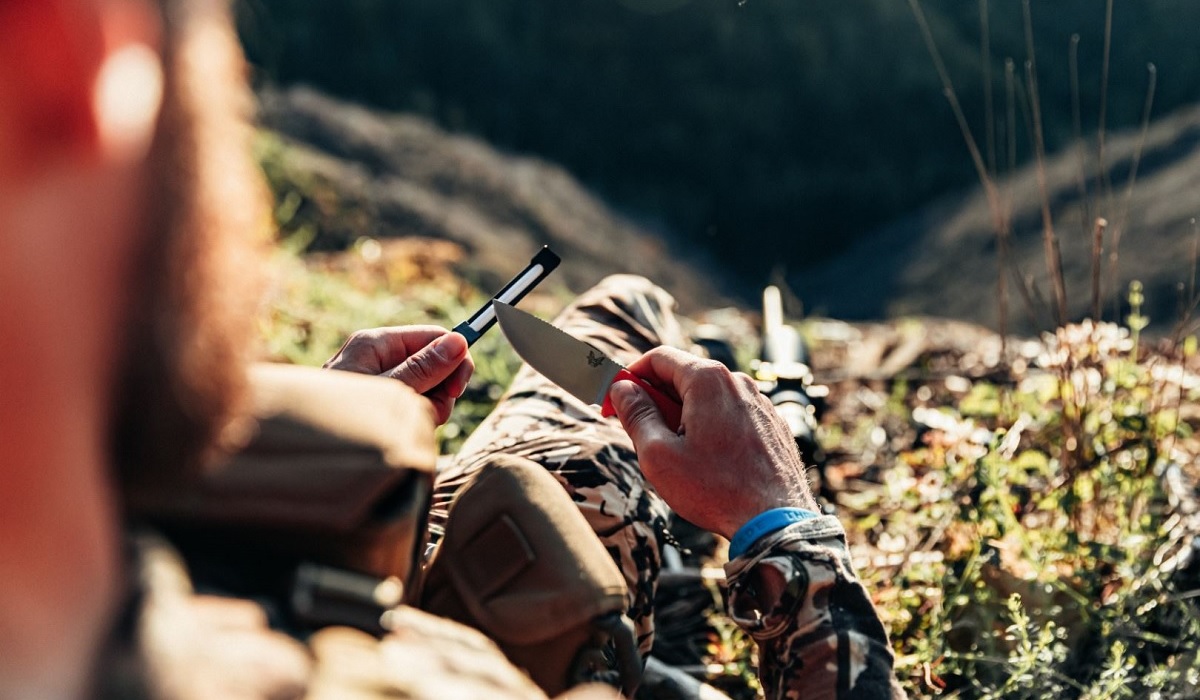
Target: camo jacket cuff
(795, 592)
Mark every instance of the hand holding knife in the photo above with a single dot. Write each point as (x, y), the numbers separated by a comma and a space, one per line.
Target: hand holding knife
(738, 458)
(576, 366)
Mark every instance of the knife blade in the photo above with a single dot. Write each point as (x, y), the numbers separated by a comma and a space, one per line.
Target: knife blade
(581, 369)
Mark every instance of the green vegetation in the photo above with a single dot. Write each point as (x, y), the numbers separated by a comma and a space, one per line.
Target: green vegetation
(1022, 540)
(314, 304)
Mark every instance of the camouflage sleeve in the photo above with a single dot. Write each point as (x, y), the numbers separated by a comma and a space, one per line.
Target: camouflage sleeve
(818, 634)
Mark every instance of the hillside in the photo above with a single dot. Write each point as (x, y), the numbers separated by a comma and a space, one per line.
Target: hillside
(942, 260)
(768, 132)
(342, 172)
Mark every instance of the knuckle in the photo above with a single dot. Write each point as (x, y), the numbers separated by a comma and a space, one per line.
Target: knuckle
(714, 374)
(359, 338)
(640, 411)
(420, 365)
(661, 351)
(745, 381)
(636, 411)
(358, 344)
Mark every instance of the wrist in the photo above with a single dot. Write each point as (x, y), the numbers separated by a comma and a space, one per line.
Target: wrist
(764, 524)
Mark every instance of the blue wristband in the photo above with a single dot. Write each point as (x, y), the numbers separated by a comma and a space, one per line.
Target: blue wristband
(764, 524)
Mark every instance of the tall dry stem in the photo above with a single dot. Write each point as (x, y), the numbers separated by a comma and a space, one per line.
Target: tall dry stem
(1006, 265)
(1097, 257)
(1049, 240)
(1102, 165)
(1185, 325)
(1000, 215)
(1085, 213)
(985, 60)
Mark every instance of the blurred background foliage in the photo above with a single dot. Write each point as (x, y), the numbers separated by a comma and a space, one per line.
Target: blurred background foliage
(770, 125)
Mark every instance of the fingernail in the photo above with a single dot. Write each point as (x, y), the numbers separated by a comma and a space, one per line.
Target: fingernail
(449, 346)
(624, 392)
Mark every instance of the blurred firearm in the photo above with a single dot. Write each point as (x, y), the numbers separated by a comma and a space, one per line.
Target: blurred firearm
(782, 371)
(784, 375)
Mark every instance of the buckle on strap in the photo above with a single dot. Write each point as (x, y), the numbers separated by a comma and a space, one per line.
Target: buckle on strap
(611, 657)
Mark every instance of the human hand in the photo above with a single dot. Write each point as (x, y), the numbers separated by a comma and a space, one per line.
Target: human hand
(733, 457)
(432, 360)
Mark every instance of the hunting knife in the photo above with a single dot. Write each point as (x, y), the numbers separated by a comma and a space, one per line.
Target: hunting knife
(581, 369)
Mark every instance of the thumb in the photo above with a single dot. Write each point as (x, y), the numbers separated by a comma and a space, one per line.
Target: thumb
(432, 364)
(639, 416)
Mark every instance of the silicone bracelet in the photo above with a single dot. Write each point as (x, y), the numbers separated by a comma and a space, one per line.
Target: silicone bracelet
(764, 524)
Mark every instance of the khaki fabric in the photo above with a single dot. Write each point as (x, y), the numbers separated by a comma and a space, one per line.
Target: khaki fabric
(177, 645)
(335, 468)
(519, 562)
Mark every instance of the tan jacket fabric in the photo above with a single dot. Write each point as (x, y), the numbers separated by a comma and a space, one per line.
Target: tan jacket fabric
(184, 646)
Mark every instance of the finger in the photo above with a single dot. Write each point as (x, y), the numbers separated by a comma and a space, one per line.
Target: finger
(443, 405)
(456, 385)
(639, 416)
(432, 364)
(396, 344)
(669, 367)
(375, 349)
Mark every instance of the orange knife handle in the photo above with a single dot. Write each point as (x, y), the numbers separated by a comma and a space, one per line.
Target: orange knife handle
(671, 409)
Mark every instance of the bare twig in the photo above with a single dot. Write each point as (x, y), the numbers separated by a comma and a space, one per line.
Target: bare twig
(985, 52)
(1193, 300)
(1013, 267)
(1004, 233)
(1049, 240)
(1035, 295)
(1195, 250)
(998, 209)
(1185, 325)
(1085, 214)
(952, 97)
(1097, 255)
(1195, 257)
(1010, 89)
(1023, 283)
(1105, 185)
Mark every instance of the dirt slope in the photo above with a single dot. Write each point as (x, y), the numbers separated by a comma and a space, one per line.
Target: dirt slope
(942, 260)
(354, 172)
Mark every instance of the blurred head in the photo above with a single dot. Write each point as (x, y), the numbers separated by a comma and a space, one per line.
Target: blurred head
(127, 199)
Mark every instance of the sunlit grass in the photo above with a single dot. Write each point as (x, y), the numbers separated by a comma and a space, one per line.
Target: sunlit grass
(316, 303)
(1023, 542)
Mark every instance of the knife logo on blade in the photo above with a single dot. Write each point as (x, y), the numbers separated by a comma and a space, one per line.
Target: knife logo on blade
(558, 356)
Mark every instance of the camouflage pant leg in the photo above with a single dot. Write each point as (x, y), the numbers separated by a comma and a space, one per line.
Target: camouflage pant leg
(591, 456)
